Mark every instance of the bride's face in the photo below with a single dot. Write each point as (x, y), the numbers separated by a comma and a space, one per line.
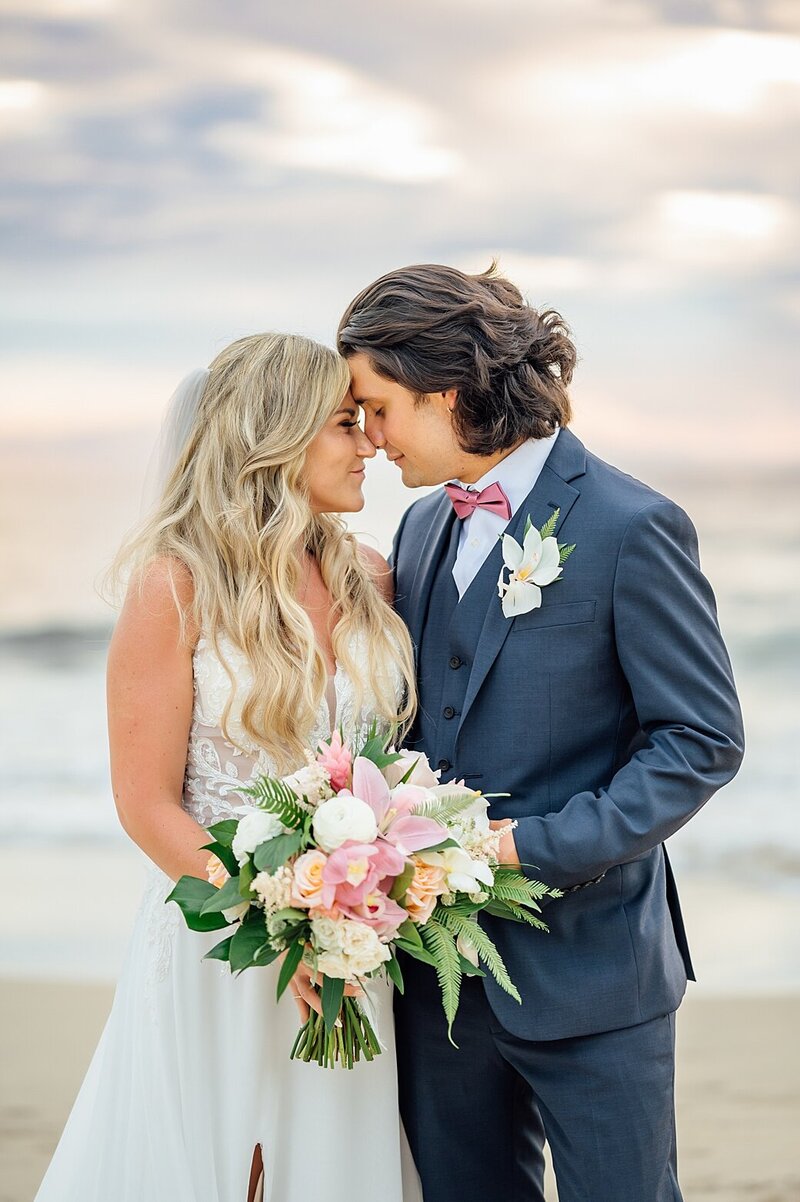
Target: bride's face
(334, 467)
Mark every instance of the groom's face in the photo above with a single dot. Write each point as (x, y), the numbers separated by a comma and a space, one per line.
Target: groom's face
(416, 436)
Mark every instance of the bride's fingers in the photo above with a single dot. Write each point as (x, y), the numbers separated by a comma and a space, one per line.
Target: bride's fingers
(302, 1008)
(300, 984)
(353, 991)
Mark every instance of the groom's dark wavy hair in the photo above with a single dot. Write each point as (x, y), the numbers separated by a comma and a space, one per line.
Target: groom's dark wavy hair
(431, 328)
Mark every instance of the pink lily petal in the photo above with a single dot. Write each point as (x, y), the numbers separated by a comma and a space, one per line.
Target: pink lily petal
(369, 785)
(414, 834)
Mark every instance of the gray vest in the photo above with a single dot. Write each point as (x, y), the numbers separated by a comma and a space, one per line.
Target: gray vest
(446, 651)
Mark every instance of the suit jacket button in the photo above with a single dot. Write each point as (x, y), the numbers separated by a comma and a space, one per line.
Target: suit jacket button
(444, 765)
(455, 662)
(449, 712)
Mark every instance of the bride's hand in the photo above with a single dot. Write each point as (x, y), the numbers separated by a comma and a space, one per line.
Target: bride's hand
(307, 997)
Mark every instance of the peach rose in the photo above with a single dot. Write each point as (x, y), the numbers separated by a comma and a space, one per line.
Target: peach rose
(307, 884)
(216, 872)
(428, 884)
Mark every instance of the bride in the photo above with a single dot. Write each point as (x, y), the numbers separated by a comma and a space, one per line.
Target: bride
(252, 626)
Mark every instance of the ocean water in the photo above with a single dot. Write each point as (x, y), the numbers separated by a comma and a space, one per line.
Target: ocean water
(63, 510)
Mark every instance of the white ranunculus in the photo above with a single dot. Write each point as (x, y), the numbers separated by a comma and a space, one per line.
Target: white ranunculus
(533, 565)
(342, 819)
(464, 875)
(423, 775)
(256, 827)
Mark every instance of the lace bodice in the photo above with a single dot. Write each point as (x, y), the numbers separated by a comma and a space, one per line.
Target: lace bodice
(218, 768)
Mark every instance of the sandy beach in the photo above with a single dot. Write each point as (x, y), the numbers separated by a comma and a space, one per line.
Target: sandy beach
(738, 1088)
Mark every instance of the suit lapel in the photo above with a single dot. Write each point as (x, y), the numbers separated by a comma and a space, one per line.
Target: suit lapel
(432, 551)
(551, 491)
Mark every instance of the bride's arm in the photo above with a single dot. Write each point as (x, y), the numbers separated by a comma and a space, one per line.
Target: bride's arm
(149, 714)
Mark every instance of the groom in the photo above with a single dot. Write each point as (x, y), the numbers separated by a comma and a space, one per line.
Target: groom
(603, 704)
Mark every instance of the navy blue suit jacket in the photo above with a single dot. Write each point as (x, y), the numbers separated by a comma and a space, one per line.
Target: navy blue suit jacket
(610, 716)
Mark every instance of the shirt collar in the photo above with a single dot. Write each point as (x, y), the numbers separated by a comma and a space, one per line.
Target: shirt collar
(518, 472)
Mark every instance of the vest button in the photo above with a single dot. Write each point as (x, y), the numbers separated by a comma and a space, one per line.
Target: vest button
(455, 662)
(449, 712)
(444, 765)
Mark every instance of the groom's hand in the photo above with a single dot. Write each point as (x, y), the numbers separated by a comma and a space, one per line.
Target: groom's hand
(508, 849)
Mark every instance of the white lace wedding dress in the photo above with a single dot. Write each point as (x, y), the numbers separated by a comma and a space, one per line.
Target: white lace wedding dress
(193, 1069)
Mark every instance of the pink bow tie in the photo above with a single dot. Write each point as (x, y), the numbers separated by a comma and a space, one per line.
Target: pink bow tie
(466, 502)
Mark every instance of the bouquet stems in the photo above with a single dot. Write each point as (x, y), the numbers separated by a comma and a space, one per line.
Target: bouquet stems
(344, 1044)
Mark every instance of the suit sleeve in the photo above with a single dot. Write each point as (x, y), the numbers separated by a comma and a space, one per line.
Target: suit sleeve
(672, 654)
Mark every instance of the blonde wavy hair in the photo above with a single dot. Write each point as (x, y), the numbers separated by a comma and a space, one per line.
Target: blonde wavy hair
(236, 511)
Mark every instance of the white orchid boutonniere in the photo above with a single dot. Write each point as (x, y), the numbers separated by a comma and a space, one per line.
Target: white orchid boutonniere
(533, 565)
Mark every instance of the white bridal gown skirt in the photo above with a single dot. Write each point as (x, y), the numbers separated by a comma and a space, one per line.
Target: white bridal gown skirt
(193, 1070)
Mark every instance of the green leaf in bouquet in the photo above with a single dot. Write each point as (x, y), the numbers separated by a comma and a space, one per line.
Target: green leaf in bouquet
(548, 529)
(416, 950)
(224, 854)
(375, 746)
(275, 852)
(332, 997)
(191, 894)
(290, 963)
(441, 945)
(250, 946)
(487, 952)
(565, 551)
(468, 968)
(401, 883)
(274, 795)
(223, 832)
(445, 843)
(409, 931)
(247, 875)
(223, 899)
(408, 939)
(395, 974)
(220, 951)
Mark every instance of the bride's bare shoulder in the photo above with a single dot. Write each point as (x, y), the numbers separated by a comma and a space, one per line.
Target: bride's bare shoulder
(159, 598)
(379, 570)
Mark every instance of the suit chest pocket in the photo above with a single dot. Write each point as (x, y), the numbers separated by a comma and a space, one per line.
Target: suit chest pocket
(573, 613)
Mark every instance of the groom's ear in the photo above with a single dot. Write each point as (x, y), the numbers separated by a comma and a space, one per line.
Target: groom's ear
(450, 397)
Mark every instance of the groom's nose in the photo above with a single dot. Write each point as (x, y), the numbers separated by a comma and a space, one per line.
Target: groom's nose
(373, 431)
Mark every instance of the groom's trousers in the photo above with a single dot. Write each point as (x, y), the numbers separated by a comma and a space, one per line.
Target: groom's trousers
(477, 1117)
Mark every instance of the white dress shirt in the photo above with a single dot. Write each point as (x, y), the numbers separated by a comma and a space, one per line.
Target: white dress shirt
(516, 474)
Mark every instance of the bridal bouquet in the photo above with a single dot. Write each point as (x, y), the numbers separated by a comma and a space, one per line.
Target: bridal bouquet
(340, 865)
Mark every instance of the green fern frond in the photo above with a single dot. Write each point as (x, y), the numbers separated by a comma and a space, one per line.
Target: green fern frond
(522, 914)
(565, 551)
(515, 893)
(274, 795)
(550, 525)
(444, 809)
(441, 944)
(487, 952)
(535, 890)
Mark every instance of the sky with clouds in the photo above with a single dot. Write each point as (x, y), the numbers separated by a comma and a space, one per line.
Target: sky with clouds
(177, 174)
